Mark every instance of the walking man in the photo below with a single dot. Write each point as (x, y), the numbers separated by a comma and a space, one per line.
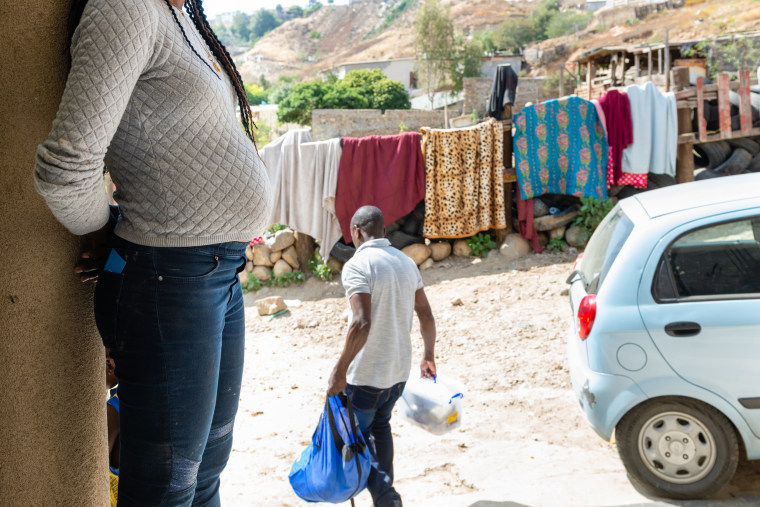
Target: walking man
(384, 288)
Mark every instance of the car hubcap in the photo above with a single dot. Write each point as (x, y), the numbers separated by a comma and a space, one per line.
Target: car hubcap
(677, 447)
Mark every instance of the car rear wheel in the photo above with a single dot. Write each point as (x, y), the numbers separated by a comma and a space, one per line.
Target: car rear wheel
(678, 448)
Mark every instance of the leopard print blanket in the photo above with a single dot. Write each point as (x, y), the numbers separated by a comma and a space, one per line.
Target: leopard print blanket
(464, 191)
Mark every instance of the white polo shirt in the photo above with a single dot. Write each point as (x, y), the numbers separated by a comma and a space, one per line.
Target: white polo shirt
(392, 279)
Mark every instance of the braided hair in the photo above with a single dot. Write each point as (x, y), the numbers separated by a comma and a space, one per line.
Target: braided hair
(195, 10)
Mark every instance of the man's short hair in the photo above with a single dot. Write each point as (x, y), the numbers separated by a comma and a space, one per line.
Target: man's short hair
(369, 219)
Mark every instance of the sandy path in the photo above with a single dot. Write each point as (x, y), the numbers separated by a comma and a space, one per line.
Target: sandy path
(523, 440)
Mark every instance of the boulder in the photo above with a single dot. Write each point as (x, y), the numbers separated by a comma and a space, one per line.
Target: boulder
(262, 273)
(540, 208)
(281, 267)
(290, 255)
(417, 252)
(270, 305)
(549, 222)
(514, 247)
(427, 264)
(282, 240)
(577, 236)
(440, 250)
(249, 266)
(275, 256)
(249, 253)
(559, 232)
(261, 255)
(334, 264)
(304, 249)
(543, 239)
(244, 276)
(461, 248)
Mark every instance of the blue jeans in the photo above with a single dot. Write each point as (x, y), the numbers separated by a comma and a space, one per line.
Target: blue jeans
(373, 409)
(173, 320)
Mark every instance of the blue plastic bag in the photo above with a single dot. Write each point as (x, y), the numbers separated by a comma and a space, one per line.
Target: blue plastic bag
(335, 466)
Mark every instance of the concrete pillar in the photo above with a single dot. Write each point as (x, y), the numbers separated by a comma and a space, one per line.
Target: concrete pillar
(52, 401)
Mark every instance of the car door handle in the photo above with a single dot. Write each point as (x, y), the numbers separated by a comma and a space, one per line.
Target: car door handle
(682, 329)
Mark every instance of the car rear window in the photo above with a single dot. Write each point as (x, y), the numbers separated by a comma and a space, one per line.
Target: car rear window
(604, 247)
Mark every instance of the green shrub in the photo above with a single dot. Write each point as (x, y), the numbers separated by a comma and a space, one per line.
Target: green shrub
(276, 227)
(557, 245)
(592, 212)
(480, 244)
(319, 267)
(284, 280)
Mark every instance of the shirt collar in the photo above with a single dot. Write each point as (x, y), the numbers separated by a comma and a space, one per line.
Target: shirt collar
(375, 243)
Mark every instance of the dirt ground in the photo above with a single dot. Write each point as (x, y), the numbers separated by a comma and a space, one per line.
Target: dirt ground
(523, 440)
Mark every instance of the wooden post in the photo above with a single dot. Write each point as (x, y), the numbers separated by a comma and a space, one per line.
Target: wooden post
(701, 121)
(507, 139)
(637, 64)
(745, 103)
(667, 60)
(562, 81)
(650, 63)
(724, 105)
(659, 61)
(590, 71)
(613, 70)
(684, 154)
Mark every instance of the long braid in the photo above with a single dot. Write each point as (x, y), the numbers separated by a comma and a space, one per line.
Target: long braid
(195, 10)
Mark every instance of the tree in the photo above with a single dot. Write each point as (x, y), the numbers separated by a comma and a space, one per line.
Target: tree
(565, 22)
(256, 94)
(262, 22)
(338, 96)
(541, 15)
(389, 94)
(294, 11)
(296, 107)
(514, 34)
(465, 63)
(433, 45)
(240, 26)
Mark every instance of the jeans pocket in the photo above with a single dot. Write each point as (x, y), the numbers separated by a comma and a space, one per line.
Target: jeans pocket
(185, 266)
(364, 397)
(106, 306)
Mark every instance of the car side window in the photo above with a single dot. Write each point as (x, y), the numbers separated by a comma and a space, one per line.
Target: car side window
(720, 261)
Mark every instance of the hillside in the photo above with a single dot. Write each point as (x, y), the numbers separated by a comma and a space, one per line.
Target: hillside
(366, 30)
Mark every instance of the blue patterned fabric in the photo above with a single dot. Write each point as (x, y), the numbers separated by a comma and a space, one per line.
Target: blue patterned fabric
(560, 148)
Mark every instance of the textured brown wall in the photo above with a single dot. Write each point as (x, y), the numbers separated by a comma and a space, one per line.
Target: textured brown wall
(52, 386)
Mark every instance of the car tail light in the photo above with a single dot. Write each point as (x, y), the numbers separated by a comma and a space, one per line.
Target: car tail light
(577, 261)
(586, 315)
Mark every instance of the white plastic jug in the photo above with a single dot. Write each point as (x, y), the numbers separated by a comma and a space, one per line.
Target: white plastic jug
(435, 405)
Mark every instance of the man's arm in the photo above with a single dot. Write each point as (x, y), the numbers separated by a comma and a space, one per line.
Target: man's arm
(427, 329)
(361, 307)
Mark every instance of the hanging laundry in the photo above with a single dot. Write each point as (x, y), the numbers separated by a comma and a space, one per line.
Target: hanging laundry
(560, 148)
(502, 90)
(525, 222)
(383, 171)
(464, 174)
(655, 131)
(306, 181)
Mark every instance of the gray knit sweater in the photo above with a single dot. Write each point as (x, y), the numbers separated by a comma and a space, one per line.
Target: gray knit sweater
(163, 122)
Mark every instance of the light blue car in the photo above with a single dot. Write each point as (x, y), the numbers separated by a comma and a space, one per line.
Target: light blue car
(665, 346)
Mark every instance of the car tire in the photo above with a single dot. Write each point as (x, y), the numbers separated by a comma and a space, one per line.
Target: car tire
(678, 448)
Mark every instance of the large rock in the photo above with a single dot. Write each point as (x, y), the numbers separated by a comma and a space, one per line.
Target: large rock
(261, 254)
(540, 208)
(304, 249)
(440, 250)
(514, 247)
(461, 248)
(549, 222)
(275, 256)
(263, 273)
(417, 252)
(577, 236)
(270, 305)
(290, 256)
(281, 267)
(427, 264)
(249, 266)
(282, 240)
(334, 264)
(244, 276)
(559, 232)
(249, 253)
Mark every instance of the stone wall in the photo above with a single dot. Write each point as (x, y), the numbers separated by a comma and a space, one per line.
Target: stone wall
(53, 449)
(330, 123)
(477, 89)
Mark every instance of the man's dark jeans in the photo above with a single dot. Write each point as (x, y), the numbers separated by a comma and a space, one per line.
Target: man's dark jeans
(173, 320)
(373, 409)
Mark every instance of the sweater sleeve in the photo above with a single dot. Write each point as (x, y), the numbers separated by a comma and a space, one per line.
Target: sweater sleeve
(111, 48)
